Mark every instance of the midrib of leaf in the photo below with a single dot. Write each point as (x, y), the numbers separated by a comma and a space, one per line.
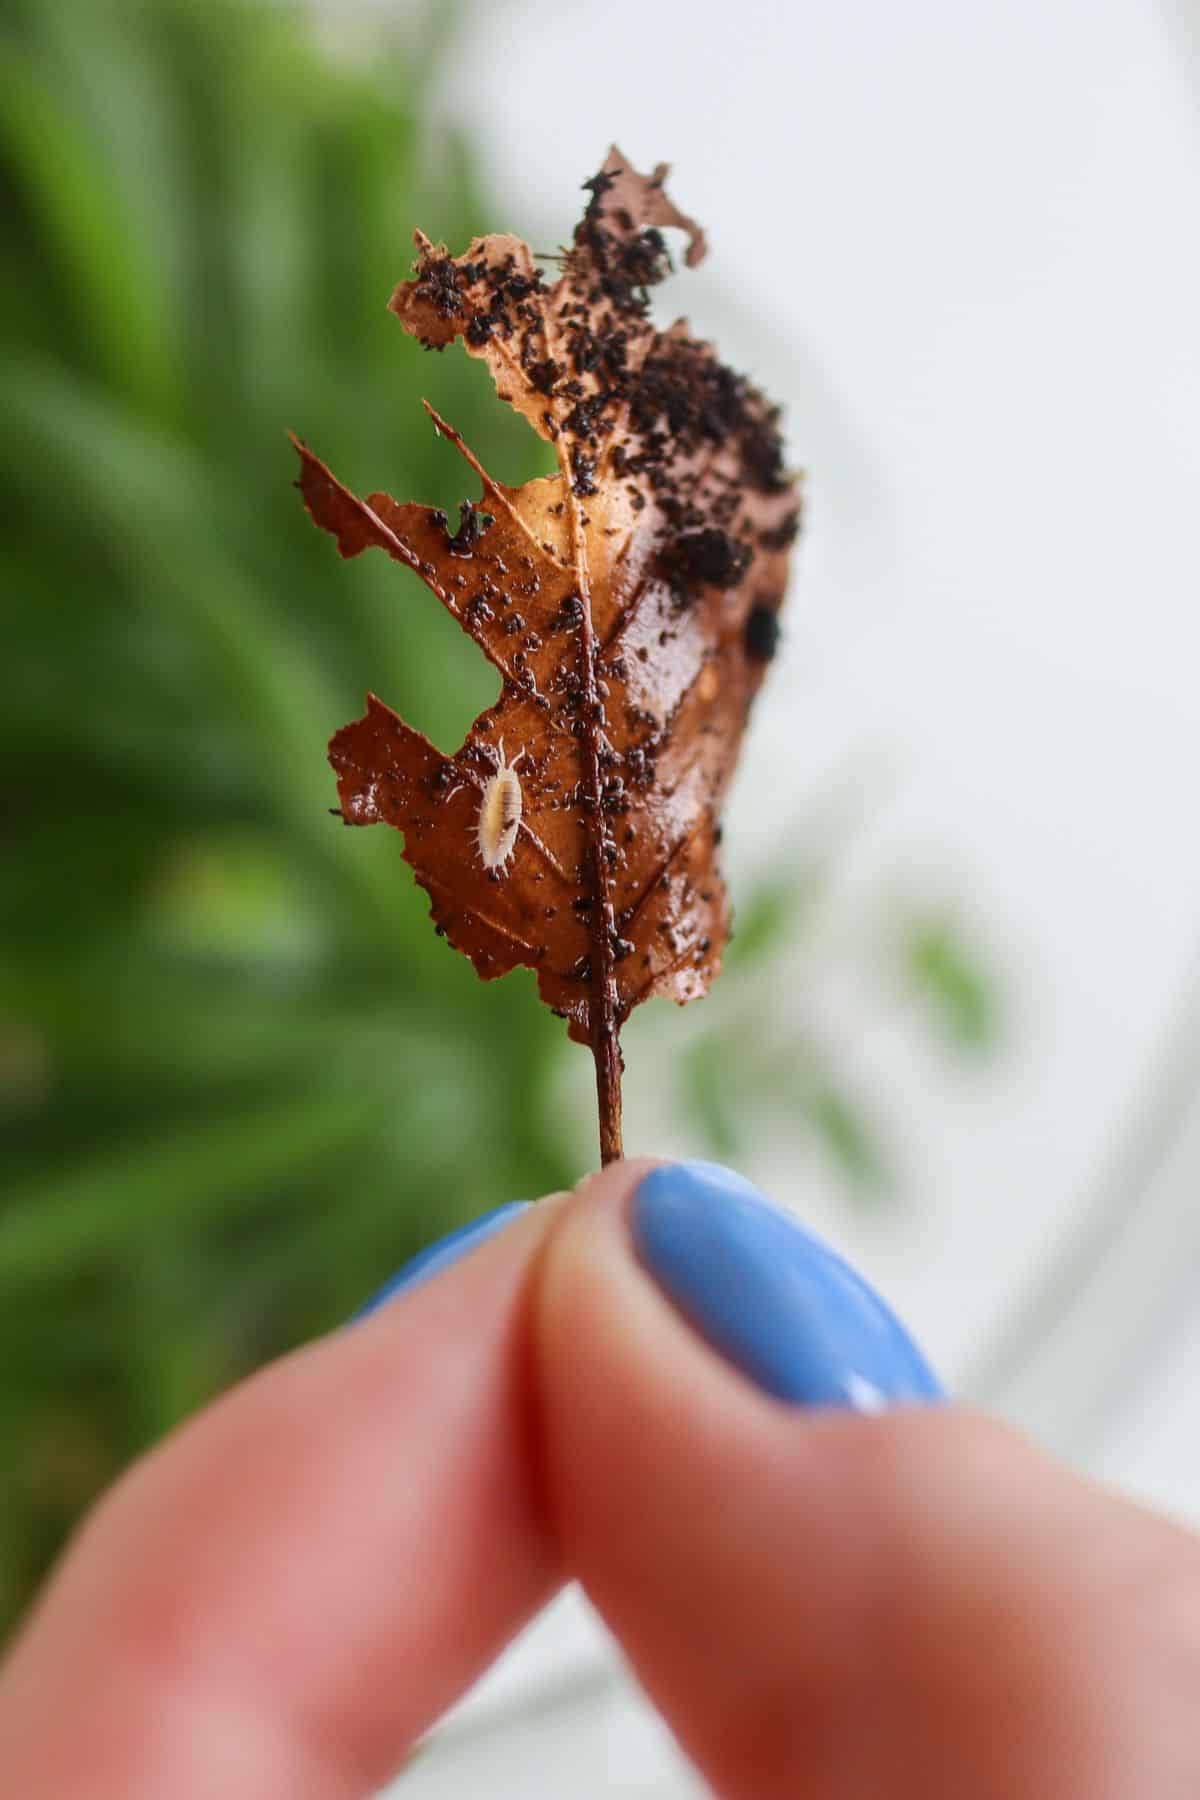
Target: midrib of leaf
(603, 1014)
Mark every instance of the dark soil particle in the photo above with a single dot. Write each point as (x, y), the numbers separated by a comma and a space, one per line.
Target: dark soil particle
(583, 472)
(707, 555)
(783, 535)
(543, 375)
(472, 524)
(440, 283)
(762, 453)
(762, 633)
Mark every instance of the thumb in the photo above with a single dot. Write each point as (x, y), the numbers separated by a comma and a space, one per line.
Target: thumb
(824, 1604)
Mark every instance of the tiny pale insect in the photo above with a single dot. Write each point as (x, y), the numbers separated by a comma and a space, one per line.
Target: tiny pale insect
(500, 814)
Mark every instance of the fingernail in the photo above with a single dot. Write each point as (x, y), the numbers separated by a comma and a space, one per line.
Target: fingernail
(766, 1293)
(436, 1257)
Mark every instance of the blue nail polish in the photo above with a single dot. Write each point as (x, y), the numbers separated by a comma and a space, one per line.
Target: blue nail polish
(783, 1307)
(436, 1257)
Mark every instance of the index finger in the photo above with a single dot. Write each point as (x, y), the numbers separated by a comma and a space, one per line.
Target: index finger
(291, 1589)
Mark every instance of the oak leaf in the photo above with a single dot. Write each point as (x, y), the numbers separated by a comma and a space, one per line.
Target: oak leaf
(629, 603)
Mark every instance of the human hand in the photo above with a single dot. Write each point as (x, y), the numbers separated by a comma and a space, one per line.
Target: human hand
(824, 1603)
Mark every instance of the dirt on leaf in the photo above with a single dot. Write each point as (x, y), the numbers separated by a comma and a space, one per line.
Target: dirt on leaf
(630, 603)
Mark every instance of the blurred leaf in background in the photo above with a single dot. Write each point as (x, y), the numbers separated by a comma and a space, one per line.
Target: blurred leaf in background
(236, 1065)
(818, 966)
(235, 1061)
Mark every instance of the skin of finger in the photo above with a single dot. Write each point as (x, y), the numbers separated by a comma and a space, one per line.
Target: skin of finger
(296, 1584)
(830, 1607)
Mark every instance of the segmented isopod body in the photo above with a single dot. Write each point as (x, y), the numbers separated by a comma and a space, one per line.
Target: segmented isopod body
(500, 815)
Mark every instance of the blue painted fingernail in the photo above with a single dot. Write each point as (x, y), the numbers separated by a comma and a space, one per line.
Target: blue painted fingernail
(783, 1307)
(436, 1257)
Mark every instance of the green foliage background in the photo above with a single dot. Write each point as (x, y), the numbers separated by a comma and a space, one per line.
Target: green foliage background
(240, 1078)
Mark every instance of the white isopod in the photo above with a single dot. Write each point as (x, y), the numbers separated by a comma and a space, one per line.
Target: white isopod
(500, 814)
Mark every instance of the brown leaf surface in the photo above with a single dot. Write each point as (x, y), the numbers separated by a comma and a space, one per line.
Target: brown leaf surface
(629, 603)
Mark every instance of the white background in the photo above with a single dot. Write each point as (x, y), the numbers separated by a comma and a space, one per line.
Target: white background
(960, 242)
(958, 238)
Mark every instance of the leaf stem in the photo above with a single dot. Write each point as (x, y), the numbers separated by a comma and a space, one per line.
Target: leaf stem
(604, 1017)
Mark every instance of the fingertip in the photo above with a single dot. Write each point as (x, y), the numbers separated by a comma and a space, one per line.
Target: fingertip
(696, 1508)
(442, 1253)
(327, 1556)
(780, 1304)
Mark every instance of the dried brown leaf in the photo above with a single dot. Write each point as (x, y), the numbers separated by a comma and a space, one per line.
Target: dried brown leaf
(629, 603)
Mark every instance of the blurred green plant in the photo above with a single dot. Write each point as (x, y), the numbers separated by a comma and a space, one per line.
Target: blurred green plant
(240, 1078)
